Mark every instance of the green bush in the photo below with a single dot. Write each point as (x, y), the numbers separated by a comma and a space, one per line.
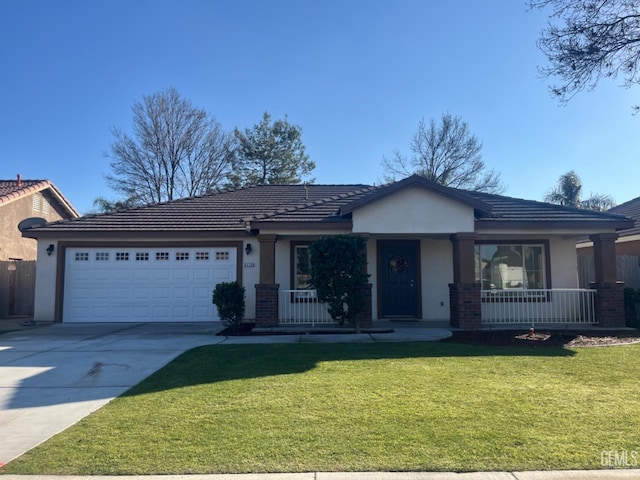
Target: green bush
(338, 271)
(632, 307)
(229, 298)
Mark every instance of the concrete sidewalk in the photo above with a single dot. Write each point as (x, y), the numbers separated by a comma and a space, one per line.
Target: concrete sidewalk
(551, 475)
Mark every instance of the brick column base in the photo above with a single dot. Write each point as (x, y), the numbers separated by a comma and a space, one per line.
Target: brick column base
(609, 304)
(465, 306)
(267, 304)
(365, 317)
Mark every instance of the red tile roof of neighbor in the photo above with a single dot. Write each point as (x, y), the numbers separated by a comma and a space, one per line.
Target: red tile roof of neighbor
(242, 209)
(11, 190)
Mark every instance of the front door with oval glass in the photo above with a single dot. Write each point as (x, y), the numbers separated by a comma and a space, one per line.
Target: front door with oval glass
(399, 268)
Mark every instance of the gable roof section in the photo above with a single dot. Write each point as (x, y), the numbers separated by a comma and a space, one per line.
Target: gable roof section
(629, 209)
(234, 212)
(418, 181)
(12, 190)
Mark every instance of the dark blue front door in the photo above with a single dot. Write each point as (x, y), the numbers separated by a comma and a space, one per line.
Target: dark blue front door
(398, 272)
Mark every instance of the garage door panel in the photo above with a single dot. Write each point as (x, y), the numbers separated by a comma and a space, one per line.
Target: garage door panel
(144, 284)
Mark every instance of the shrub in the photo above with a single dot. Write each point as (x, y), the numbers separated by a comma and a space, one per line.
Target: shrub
(229, 298)
(338, 271)
(632, 307)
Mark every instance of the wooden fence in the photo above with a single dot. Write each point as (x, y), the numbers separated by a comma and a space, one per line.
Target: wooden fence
(628, 270)
(17, 288)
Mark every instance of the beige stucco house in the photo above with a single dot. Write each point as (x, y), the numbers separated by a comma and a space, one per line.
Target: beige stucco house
(435, 254)
(22, 199)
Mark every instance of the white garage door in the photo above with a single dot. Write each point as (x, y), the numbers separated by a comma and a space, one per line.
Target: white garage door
(144, 284)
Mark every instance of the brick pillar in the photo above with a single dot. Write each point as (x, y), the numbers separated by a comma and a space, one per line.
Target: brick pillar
(609, 304)
(267, 304)
(464, 300)
(365, 317)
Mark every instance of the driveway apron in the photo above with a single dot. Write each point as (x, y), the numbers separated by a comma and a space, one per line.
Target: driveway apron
(51, 377)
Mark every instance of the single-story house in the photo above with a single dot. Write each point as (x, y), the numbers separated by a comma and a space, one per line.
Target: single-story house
(434, 254)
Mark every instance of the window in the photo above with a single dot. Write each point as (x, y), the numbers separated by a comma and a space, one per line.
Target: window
(510, 266)
(302, 268)
(142, 256)
(160, 256)
(202, 255)
(82, 256)
(222, 255)
(122, 256)
(102, 256)
(180, 256)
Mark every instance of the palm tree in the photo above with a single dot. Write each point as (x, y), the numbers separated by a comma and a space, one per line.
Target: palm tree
(568, 191)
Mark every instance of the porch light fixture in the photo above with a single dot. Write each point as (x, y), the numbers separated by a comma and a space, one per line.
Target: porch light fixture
(50, 249)
(247, 248)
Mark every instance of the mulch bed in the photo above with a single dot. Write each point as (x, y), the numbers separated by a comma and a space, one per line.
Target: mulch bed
(511, 338)
(546, 339)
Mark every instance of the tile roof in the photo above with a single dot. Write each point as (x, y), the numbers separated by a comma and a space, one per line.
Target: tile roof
(223, 211)
(519, 210)
(239, 210)
(629, 209)
(11, 190)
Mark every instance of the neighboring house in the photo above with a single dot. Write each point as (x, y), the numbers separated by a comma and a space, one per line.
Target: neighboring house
(31, 201)
(22, 199)
(627, 248)
(434, 254)
(628, 241)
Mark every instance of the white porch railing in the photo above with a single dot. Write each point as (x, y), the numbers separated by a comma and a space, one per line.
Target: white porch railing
(301, 307)
(557, 305)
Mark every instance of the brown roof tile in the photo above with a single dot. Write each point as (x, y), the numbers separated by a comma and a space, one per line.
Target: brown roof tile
(629, 209)
(238, 210)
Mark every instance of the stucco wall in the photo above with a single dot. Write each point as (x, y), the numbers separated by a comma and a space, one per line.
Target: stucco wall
(414, 210)
(46, 272)
(564, 263)
(12, 244)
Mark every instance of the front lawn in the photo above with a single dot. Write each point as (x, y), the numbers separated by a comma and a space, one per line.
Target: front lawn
(360, 407)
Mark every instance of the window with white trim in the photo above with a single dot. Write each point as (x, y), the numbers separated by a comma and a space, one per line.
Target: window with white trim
(202, 255)
(122, 256)
(142, 256)
(102, 256)
(182, 256)
(510, 266)
(161, 256)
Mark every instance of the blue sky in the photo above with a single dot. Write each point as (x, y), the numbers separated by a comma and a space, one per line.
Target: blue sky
(356, 75)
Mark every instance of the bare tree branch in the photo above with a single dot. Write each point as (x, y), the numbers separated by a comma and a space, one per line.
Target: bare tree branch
(587, 40)
(177, 150)
(447, 153)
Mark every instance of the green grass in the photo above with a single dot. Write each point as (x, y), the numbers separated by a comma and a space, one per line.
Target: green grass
(360, 407)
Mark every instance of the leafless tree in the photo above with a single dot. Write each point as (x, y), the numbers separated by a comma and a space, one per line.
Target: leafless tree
(587, 40)
(447, 153)
(177, 150)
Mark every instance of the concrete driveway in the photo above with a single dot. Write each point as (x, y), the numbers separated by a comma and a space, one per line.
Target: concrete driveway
(53, 376)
